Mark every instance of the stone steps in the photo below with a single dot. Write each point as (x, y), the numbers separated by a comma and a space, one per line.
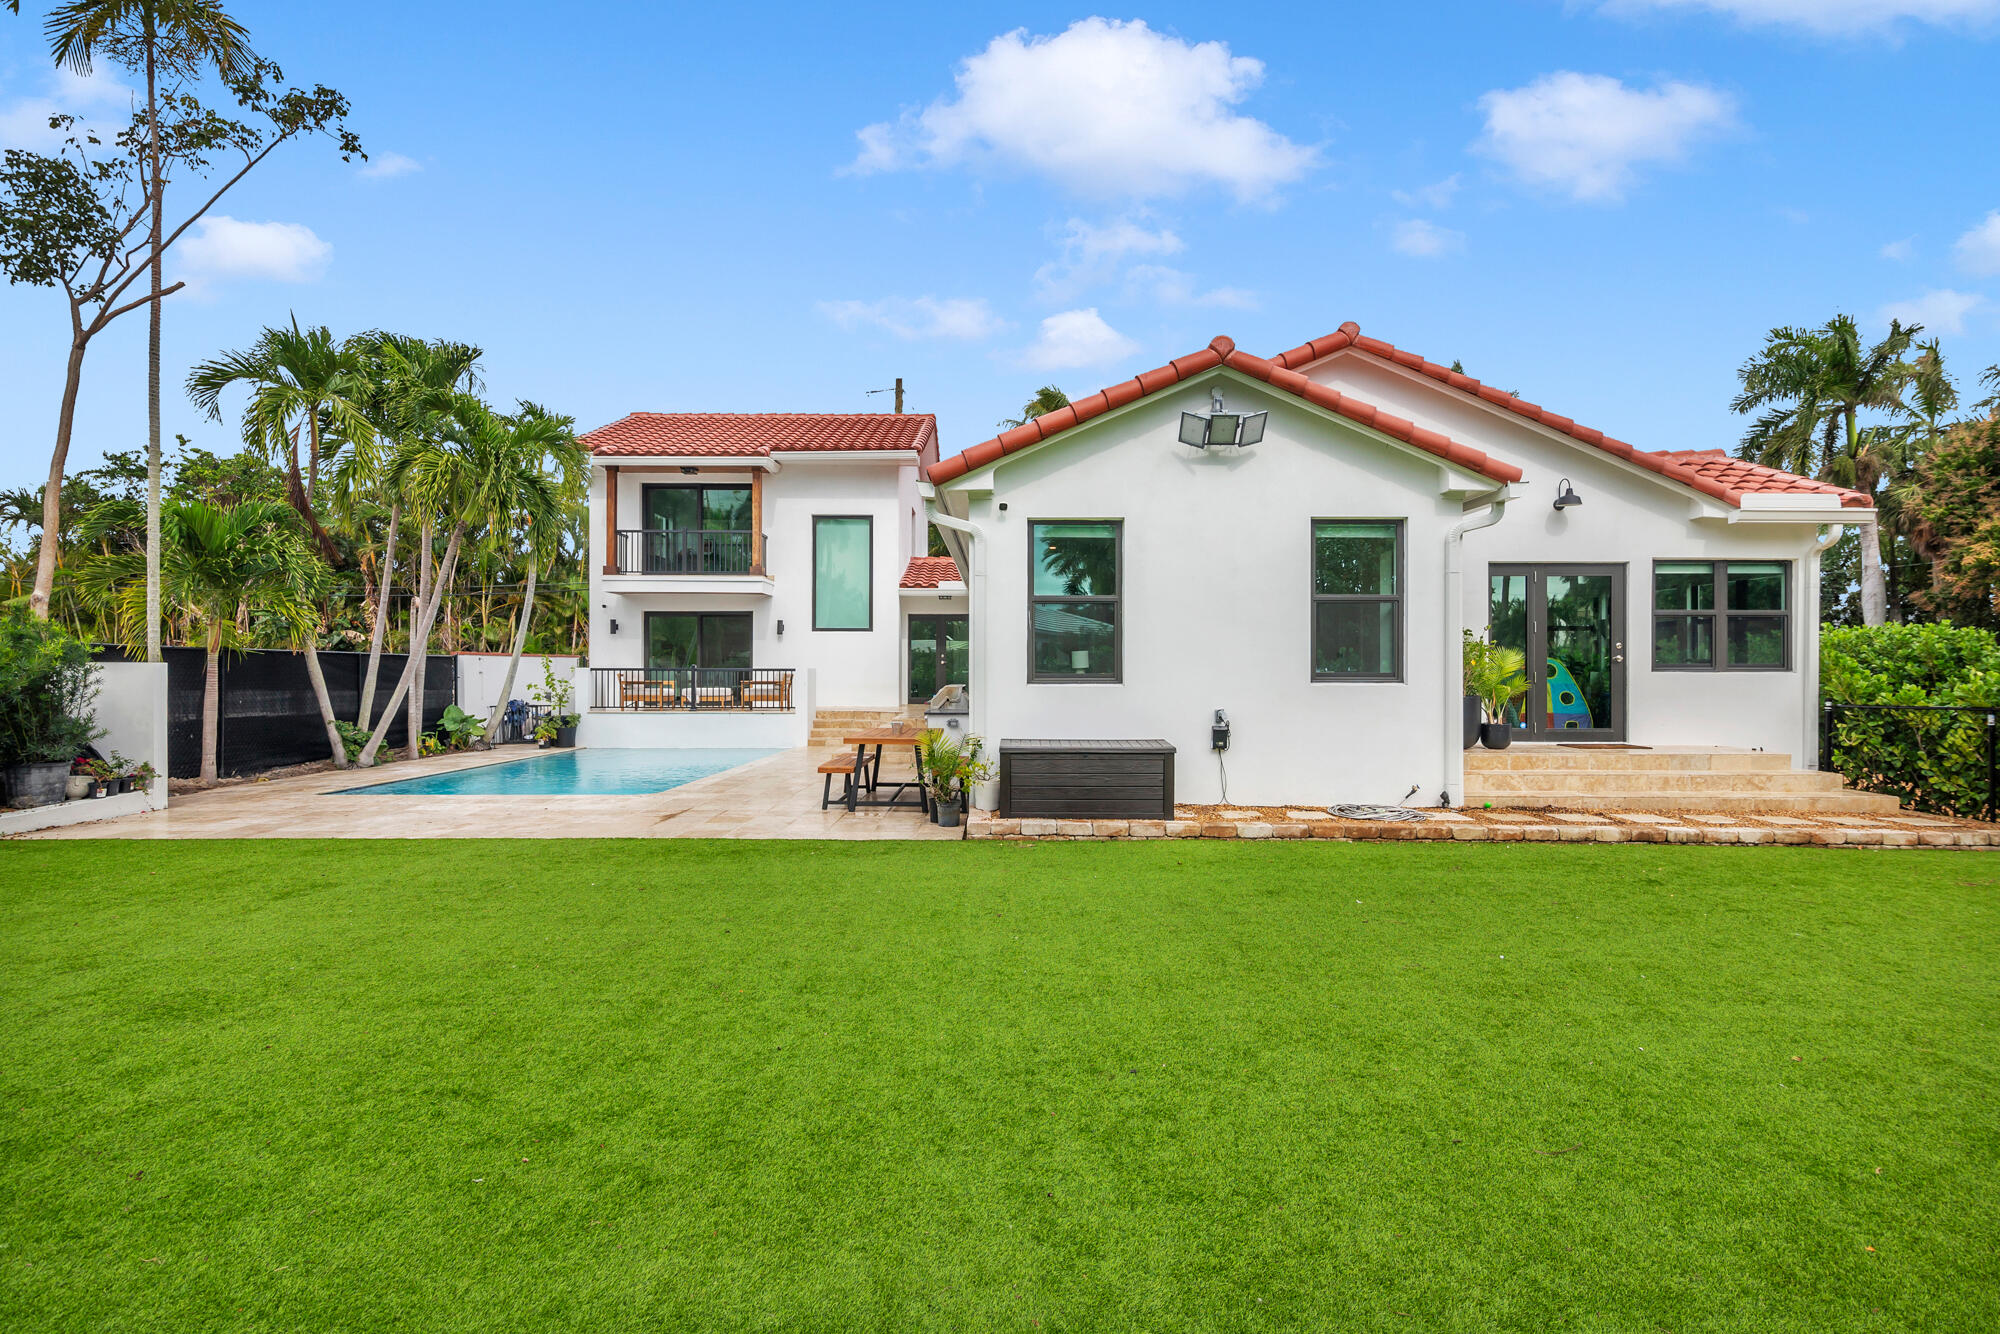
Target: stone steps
(1534, 776)
(1838, 802)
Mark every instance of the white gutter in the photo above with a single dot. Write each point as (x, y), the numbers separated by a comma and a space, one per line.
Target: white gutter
(1454, 633)
(972, 570)
(1808, 756)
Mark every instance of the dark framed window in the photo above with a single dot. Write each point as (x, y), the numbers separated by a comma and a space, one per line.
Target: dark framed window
(1357, 600)
(676, 639)
(713, 509)
(1073, 599)
(1722, 616)
(843, 583)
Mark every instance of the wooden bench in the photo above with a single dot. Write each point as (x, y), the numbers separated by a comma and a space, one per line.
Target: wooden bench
(839, 764)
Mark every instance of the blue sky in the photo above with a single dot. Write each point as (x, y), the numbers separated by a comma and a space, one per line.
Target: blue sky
(1601, 203)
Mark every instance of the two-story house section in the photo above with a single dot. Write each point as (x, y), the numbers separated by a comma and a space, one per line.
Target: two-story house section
(746, 568)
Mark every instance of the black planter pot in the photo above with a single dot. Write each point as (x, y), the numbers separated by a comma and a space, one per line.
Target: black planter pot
(27, 785)
(565, 736)
(945, 813)
(1473, 713)
(1496, 736)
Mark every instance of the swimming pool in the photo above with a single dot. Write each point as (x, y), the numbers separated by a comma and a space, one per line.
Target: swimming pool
(592, 772)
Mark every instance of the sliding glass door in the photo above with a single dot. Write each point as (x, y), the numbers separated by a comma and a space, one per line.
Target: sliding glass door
(678, 639)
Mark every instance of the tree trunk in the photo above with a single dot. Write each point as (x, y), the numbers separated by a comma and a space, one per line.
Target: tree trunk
(211, 706)
(420, 645)
(514, 661)
(45, 563)
(1874, 596)
(419, 633)
(153, 359)
(363, 716)
(325, 705)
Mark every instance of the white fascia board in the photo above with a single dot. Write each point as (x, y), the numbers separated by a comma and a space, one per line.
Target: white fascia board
(706, 462)
(733, 585)
(1801, 514)
(954, 589)
(845, 455)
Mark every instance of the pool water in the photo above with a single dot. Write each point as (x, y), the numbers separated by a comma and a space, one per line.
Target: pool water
(591, 772)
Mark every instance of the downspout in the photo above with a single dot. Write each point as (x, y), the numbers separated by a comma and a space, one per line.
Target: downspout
(973, 568)
(1808, 757)
(1454, 609)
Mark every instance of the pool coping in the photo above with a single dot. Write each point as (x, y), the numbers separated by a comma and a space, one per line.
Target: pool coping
(543, 753)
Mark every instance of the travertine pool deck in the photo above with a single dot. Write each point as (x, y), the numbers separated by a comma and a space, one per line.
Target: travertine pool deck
(774, 797)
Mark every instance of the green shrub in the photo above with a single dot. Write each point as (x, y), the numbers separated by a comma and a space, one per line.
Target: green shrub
(1933, 761)
(46, 684)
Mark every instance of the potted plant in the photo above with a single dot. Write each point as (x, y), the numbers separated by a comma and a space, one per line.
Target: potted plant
(46, 684)
(1500, 679)
(950, 769)
(79, 784)
(1474, 662)
(558, 725)
(103, 778)
(141, 777)
(120, 780)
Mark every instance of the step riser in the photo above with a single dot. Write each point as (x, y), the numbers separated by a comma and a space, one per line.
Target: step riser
(1832, 803)
(1620, 761)
(1800, 784)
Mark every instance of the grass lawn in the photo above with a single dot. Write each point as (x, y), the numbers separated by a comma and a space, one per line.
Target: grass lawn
(672, 1086)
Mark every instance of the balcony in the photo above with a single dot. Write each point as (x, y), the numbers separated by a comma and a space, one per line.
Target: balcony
(703, 689)
(676, 551)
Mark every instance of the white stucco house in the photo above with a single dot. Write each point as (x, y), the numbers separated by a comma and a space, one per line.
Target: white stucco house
(1297, 541)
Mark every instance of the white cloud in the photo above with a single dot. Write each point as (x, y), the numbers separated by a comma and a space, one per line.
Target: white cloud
(1091, 254)
(1978, 251)
(1434, 197)
(97, 100)
(1941, 311)
(1829, 17)
(223, 247)
(383, 166)
(1900, 251)
(918, 317)
(1075, 338)
(1424, 240)
(1584, 134)
(1106, 108)
(1173, 287)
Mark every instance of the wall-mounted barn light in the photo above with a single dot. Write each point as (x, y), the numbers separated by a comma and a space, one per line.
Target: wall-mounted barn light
(1566, 495)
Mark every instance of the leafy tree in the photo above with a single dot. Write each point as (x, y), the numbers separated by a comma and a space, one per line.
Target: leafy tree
(1951, 504)
(551, 467)
(1811, 386)
(1046, 400)
(69, 219)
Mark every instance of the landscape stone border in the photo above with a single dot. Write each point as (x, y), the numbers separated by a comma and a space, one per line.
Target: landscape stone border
(1794, 834)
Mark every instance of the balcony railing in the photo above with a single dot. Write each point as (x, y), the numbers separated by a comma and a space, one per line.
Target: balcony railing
(686, 551)
(653, 689)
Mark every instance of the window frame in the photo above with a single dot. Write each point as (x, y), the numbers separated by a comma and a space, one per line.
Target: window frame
(1315, 597)
(868, 579)
(701, 504)
(1719, 617)
(1116, 599)
(646, 641)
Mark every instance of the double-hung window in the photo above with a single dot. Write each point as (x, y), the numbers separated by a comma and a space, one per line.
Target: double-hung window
(843, 587)
(1073, 582)
(1731, 616)
(1357, 597)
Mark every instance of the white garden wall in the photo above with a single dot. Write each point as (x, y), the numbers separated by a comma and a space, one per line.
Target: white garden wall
(131, 708)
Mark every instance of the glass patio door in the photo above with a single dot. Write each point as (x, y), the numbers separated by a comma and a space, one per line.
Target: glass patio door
(1569, 621)
(938, 651)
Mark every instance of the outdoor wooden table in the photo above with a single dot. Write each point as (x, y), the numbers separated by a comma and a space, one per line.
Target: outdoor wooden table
(868, 774)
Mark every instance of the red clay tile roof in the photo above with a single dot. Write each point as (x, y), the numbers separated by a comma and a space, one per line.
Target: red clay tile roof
(757, 434)
(1743, 478)
(930, 571)
(1221, 352)
(1724, 485)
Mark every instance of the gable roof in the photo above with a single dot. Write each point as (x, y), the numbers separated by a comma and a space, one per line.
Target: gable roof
(1728, 485)
(1221, 351)
(929, 572)
(759, 434)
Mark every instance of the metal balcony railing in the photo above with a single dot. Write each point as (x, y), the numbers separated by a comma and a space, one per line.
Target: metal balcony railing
(685, 551)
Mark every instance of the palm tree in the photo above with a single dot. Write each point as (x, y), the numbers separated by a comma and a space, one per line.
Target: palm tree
(181, 38)
(1990, 377)
(544, 447)
(471, 472)
(1813, 385)
(1046, 400)
(218, 563)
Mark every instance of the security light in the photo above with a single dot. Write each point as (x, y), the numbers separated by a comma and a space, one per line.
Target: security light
(1566, 495)
(1194, 429)
(1222, 428)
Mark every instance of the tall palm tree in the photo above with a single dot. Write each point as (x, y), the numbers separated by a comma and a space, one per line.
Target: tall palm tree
(182, 39)
(543, 447)
(1046, 400)
(218, 563)
(1812, 385)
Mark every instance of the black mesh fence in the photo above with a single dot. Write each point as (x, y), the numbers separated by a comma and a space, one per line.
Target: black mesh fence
(268, 717)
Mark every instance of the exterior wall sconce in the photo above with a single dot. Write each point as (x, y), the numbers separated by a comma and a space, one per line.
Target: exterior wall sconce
(1220, 427)
(614, 625)
(781, 629)
(1566, 495)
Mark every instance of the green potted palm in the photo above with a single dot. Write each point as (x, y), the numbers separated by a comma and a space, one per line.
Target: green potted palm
(1499, 677)
(46, 685)
(950, 769)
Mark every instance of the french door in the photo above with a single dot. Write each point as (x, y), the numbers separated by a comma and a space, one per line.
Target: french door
(1569, 621)
(937, 654)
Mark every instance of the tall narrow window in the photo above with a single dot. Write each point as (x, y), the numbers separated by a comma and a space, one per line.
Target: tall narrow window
(843, 590)
(1357, 624)
(1721, 616)
(1073, 601)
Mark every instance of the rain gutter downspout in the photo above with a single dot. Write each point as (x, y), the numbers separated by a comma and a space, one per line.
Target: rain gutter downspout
(972, 537)
(1809, 669)
(1495, 505)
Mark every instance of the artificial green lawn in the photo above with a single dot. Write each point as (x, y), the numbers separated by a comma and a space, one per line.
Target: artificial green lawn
(606, 1086)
